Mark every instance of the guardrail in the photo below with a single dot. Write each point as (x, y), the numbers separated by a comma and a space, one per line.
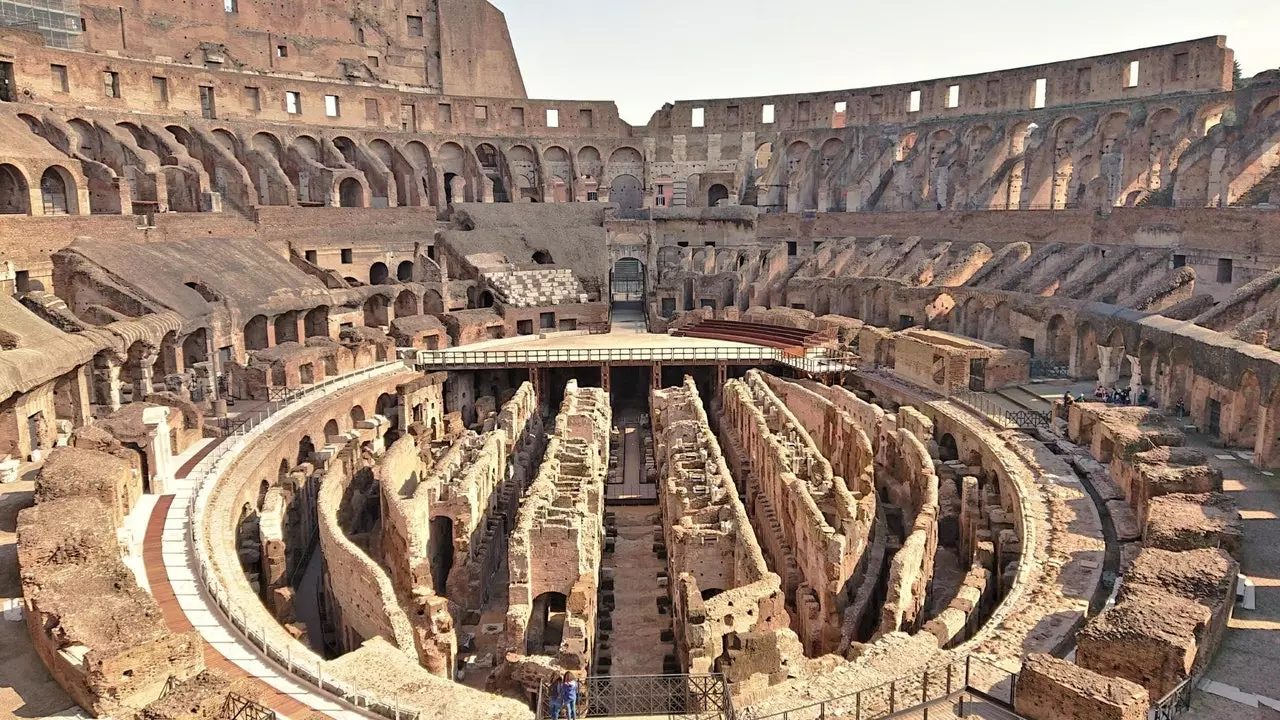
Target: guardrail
(905, 693)
(1040, 368)
(701, 696)
(814, 361)
(998, 413)
(208, 471)
(1175, 702)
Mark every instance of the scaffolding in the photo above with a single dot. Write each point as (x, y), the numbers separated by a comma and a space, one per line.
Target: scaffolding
(57, 20)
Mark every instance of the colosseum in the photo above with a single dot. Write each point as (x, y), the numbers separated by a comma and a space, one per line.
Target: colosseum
(340, 379)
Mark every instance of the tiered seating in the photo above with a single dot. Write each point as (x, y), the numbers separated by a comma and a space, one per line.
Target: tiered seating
(775, 336)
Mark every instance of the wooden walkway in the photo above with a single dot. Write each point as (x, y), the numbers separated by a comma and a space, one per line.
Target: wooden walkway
(177, 621)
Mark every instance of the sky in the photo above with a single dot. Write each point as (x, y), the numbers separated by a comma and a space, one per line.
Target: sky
(644, 53)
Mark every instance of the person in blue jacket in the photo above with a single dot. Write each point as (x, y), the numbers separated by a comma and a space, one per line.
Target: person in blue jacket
(569, 696)
(555, 697)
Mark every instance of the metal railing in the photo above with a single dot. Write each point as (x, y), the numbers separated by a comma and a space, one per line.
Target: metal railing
(814, 361)
(1175, 702)
(997, 413)
(922, 688)
(692, 696)
(1041, 368)
(207, 473)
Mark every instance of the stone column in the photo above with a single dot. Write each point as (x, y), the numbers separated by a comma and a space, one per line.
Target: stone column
(159, 452)
(142, 382)
(1135, 377)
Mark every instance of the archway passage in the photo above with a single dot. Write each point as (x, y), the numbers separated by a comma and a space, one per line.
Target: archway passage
(546, 624)
(14, 197)
(350, 193)
(626, 284)
(627, 192)
(947, 449)
(54, 193)
(404, 271)
(378, 274)
(440, 552)
(716, 193)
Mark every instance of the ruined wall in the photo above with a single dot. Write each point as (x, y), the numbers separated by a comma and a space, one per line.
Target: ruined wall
(813, 527)
(557, 540)
(1053, 689)
(361, 593)
(728, 608)
(101, 636)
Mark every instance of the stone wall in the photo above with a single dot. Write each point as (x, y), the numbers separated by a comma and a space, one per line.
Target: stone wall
(813, 527)
(558, 536)
(1053, 689)
(728, 609)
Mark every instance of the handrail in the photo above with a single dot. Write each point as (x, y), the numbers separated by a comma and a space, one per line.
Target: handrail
(814, 361)
(208, 471)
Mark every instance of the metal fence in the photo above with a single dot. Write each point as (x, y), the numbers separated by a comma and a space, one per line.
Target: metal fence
(998, 413)
(1176, 702)
(704, 697)
(239, 707)
(1042, 368)
(901, 695)
(207, 472)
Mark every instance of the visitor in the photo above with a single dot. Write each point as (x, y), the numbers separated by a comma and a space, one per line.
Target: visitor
(1144, 397)
(1067, 399)
(555, 696)
(569, 696)
(1101, 392)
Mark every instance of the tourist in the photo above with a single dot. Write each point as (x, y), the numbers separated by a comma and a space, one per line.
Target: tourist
(555, 697)
(1144, 397)
(1101, 392)
(569, 696)
(1067, 399)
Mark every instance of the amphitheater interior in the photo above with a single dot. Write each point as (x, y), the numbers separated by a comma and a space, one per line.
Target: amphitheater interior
(338, 378)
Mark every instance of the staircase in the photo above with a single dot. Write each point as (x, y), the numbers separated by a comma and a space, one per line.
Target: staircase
(1265, 192)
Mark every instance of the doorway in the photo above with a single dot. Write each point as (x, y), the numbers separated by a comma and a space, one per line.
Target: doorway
(7, 88)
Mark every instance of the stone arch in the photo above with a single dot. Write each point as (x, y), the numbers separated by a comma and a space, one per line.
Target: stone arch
(432, 303)
(58, 191)
(316, 322)
(357, 415)
(382, 150)
(375, 311)
(346, 147)
(626, 155)
(543, 257)
(406, 303)
(227, 140)
(1265, 107)
(555, 153)
(308, 147)
(716, 193)
(1087, 364)
(1210, 116)
(628, 192)
(1018, 137)
(255, 333)
(906, 144)
(404, 271)
(1244, 413)
(1058, 340)
(15, 195)
(267, 144)
(378, 273)
(331, 429)
(488, 157)
(763, 156)
(351, 193)
(286, 326)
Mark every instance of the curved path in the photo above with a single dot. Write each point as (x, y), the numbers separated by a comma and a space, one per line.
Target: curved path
(169, 559)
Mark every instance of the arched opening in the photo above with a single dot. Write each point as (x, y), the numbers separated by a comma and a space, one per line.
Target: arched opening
(350, 193)
(484, 299)
(331, 431)
(627, 192)
(708, 593)
(14, 196)
(406, 304)
(947, 449)
(1058, 340)
(1118, 365)
(764, 155)
(56, 192)
(542, 257)
(317, 322)
(255, 333)
(1087, 364)
(1245, 410)
(546, 624)
(404, 271)
(440, 552)
(626, 284)
(432, 303)
(287, 327)
(449, 185)
(375, 311)
(378, 274)
(306, 448)
(717, 193)
(357, 415)
(195, 348)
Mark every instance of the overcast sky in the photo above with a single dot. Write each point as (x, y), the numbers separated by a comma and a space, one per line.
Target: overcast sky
(643, 53)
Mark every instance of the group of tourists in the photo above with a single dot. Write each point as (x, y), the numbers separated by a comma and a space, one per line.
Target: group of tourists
(1117, 396)
(564, 696)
